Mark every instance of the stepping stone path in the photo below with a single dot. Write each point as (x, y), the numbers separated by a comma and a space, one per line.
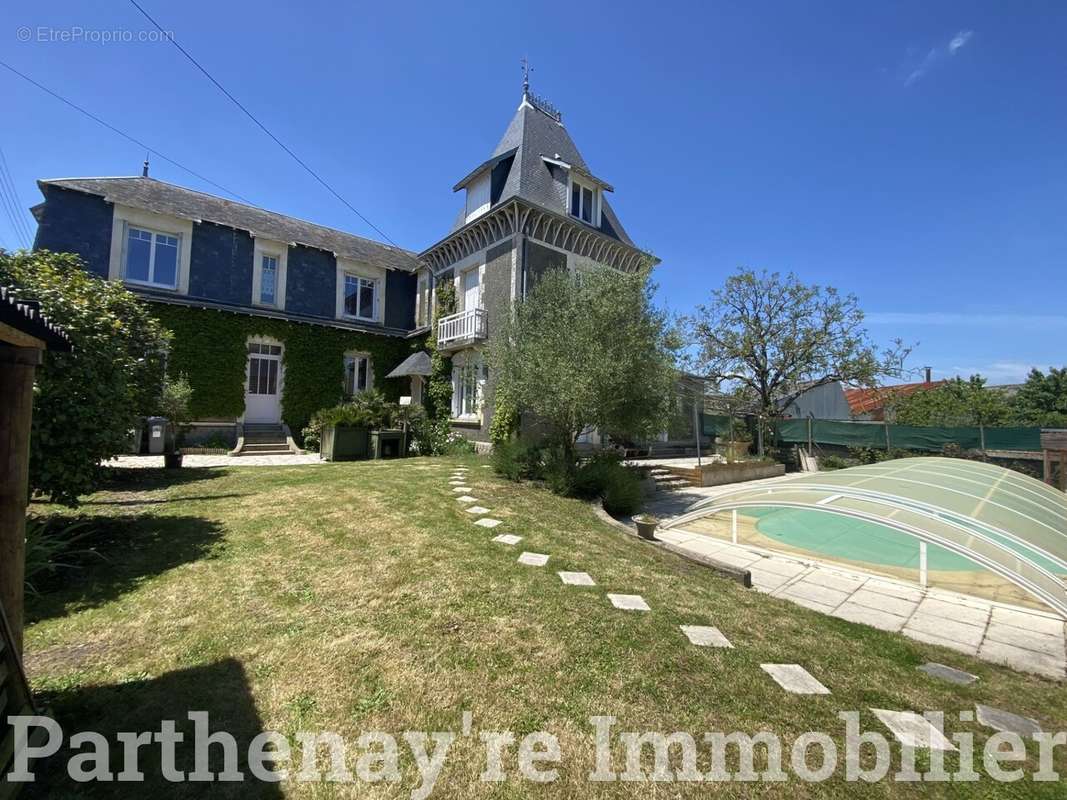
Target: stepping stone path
(794, 678)
(629, 602)
(477, 510)
(1005, 721)
(576, 578)
(466, 498)
(487, 522)
(507, 538)
(462, 489)
(913, 730)
(533, 559)
(957, 676)
(705, 636)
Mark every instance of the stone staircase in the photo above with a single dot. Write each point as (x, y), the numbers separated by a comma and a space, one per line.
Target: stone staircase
(670, 479)
(264, 440)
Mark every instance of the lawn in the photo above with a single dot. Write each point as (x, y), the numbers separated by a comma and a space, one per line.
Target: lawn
(361, 597)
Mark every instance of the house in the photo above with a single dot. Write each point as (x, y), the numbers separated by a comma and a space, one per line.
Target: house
(275, 317)
(870, 404)
(820, 401)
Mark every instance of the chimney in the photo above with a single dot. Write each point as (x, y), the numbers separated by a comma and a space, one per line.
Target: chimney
(929, 374)
(144, 169)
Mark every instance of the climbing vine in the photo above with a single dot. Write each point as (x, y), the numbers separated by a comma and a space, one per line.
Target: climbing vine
(210, 349)
(439, 384)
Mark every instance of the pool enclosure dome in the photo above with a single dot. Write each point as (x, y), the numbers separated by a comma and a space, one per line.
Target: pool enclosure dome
(966, 520)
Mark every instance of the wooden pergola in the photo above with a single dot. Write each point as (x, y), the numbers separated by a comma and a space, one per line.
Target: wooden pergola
(1054, 448)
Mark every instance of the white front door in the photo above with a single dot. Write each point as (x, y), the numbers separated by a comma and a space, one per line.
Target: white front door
(263, 402)
(472, 297)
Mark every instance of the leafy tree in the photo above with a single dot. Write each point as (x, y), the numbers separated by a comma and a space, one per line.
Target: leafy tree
(955, 402)
(771, 338)
(1042, 400)
(85, 402)
(587, 350)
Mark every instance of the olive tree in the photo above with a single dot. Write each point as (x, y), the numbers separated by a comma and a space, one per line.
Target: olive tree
(587, 350)
(770, 338)
(85, 401)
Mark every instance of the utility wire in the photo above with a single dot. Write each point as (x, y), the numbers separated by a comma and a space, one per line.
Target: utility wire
(5, 174)
(11, 212)
(261, 126)
(123, 134)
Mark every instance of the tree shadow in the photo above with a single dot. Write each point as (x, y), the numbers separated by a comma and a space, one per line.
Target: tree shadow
(116, 556)
(150, 478)
(164, 500)
(221, 689)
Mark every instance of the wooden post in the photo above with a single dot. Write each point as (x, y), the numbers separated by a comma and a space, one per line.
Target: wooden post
(17, 366)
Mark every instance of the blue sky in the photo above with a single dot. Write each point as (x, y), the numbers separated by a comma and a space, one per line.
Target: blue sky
(912, 153)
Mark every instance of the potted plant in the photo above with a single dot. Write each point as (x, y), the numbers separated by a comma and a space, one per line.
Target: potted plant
(174, 405)
(646, 526)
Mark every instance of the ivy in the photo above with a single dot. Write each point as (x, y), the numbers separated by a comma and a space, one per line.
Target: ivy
(210, 349)
(439, 384)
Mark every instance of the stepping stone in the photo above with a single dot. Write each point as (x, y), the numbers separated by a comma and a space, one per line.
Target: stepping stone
(462, 489)
(477, 510)
(466, 499)
(487, 522)
(629, 602)
(507, 538)
(533, 559)
(1000, 720)
(705, 636)
(957, 676)
(913, 730)
(794, 678)
(458, 481)
(576, 578)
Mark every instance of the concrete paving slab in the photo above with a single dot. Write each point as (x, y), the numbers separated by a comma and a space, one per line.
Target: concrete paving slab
(466, 498)
(813, 592)
(780, 566)
(835, 580)
(767, 581)
(629, 602)
(865, 615)
(702, 545)
(929, 638)
(507, 538)
(477, 510)
(890, 604)
(913, 730)
(950, 674)
(487, 522)
(1005, 721)
(955, 612)
(1027, 640)
(462, 489)
(576, 578)
(969, 635)
(733, 557)
(813, 605)
(533, 559)
(1038, 623)
(705, 636)
(892, 589)
(794, 678)
(1023, 660)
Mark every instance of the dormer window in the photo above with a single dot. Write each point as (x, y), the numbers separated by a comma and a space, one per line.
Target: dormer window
(584, 202)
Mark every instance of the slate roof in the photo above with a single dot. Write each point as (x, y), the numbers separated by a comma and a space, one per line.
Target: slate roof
(534, 136)
(25, 316)
(417, 363)
(167, 198)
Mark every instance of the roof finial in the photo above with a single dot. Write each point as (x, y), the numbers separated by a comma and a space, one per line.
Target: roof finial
(144, 169)
(526, 69)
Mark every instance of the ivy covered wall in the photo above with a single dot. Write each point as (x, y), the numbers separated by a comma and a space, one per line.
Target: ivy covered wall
(210, 348)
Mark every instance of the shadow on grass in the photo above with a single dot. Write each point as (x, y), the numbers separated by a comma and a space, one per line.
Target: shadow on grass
(164, 500)
(119, 554)
(149, 478)
(221, 689)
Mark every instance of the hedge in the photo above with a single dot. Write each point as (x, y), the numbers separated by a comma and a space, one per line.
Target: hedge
(211, 348)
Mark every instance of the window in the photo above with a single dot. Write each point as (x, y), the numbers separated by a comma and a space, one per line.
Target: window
(357, 374)
(263, 363)
(268, 280)
(422, 316)
(361, 297)
(472, 290)
(467, 381)
(151, 258)
(583, 202)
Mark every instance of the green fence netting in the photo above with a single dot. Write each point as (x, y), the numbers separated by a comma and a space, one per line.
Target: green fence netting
(904, 437)
(716, 424)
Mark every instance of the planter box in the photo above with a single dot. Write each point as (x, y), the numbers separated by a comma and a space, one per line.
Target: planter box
(388, 444)
(343, 443)
(719, 474)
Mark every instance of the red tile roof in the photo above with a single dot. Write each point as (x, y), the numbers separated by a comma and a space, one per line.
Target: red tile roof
(872, 401)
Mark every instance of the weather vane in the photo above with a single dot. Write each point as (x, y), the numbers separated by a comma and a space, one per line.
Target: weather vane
(526, 70)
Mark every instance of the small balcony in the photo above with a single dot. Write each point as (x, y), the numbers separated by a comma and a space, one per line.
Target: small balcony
(462, 329)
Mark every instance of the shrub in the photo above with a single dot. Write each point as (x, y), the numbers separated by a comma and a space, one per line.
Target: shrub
(51, 547)
(829, 463)
(592, 476)
(622, 491)
(518, 460)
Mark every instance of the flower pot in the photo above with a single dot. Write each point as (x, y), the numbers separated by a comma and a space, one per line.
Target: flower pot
(646, 526)
(344, 443)
(172, 460)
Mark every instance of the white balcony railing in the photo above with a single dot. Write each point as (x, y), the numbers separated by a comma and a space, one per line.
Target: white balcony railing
(464, 325)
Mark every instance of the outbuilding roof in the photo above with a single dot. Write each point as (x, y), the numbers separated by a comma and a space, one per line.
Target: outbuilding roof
(25, 317)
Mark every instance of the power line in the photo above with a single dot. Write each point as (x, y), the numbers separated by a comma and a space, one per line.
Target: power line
(5, 174)
(262, 127)
(11, 212)
(123, 134)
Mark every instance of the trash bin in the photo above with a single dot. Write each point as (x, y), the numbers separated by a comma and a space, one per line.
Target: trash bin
(157, 435)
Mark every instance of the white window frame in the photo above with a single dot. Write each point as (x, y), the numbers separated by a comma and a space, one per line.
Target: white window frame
(126, 217)
(461, 292)
(347, 268)
(352, 357)
(153, 245)
(279, 251)
(594, 217)
(423, 304)
(468, 383)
